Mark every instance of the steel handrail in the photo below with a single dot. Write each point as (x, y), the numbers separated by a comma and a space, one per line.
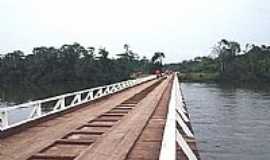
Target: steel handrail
(36, 108)
(171, 136)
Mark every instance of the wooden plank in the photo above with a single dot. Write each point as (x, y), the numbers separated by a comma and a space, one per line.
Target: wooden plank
(96, 125)
(147, 147)
(74, 141)
(56, 157)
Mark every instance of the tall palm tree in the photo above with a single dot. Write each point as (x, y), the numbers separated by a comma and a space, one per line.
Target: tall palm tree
(226, 51)
(157, 58)
(128, 54)
(103, 53)
(126, 47)
(91, 51)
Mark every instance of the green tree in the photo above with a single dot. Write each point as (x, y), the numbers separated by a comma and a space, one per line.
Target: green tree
(156, 61)
(158, 57)
(226, 51)
(13, 67)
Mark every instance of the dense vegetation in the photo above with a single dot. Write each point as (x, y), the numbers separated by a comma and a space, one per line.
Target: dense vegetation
(228, 63)
(49, 71)
(73, 63)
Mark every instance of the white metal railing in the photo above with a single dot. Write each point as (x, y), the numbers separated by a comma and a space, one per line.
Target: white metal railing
(40, 108)
(171, 136)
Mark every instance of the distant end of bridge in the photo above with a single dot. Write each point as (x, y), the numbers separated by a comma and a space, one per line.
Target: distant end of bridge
(141, 119)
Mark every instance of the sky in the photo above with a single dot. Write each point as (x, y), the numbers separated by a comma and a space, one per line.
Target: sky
(182, 29)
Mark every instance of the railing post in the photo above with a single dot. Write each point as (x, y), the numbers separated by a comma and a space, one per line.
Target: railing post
(59, 105)
(76, 100)
(107, 91)
(3, 119)
(89, 96)
(114, 89)
(62, 102)
(121, 86)
(39, 109)
(36, 112)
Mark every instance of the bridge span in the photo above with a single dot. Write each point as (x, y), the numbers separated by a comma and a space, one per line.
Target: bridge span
(142, 119)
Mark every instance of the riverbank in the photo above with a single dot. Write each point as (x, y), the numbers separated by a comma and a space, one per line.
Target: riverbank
(204, 77)
(198, 77)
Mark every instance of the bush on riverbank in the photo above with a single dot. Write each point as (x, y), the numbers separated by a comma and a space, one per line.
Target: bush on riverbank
(198, 77)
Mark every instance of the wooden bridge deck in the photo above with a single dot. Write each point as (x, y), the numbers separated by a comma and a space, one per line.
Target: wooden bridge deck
(147, 147)
(125, 126)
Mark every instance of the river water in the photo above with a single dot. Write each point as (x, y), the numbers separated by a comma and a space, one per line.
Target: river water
(230, 122)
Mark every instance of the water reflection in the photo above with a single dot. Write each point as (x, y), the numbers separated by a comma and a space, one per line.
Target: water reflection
(230, 121)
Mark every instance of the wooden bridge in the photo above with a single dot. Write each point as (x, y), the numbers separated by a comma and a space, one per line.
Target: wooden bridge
(142, 119)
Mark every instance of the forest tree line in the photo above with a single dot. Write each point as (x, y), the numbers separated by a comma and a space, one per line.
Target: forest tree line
(229, 62)
(73, 63)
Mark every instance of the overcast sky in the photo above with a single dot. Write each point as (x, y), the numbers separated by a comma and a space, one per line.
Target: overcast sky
(182, 29)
